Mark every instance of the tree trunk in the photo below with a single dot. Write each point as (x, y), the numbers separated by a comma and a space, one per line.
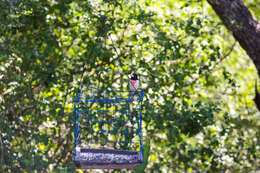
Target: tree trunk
(245, 28)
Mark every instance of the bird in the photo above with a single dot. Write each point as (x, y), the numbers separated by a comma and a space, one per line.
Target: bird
(133, 85)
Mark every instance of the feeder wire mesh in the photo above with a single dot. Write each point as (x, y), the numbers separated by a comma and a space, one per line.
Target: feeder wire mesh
(107, 129)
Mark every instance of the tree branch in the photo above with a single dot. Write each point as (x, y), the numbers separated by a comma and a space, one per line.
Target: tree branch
(243, 25)
(245, 28)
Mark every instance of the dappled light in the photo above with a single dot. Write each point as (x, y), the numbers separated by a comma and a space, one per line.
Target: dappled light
(196, 85)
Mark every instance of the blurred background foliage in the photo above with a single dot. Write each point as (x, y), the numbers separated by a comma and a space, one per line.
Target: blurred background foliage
(198, 111)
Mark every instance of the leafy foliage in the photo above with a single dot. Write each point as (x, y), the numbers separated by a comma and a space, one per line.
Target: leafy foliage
(198, 112)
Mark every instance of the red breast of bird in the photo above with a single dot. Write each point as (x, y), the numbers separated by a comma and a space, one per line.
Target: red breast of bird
(134, 85)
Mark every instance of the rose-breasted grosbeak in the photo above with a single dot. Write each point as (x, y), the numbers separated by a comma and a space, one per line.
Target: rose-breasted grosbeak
(134, 85)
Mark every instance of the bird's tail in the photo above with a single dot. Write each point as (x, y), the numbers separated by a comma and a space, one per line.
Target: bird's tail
(131, 94)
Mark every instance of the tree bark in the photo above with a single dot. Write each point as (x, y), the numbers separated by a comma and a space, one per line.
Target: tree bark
(244, 27)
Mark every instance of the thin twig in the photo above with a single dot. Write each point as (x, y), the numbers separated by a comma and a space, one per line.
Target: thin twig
(227, 54)
(2, 152)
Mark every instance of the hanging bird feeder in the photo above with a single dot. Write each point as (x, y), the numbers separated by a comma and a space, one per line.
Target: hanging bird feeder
(107, 129)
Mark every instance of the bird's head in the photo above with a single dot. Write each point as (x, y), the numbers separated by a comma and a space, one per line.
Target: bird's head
(134, 76)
